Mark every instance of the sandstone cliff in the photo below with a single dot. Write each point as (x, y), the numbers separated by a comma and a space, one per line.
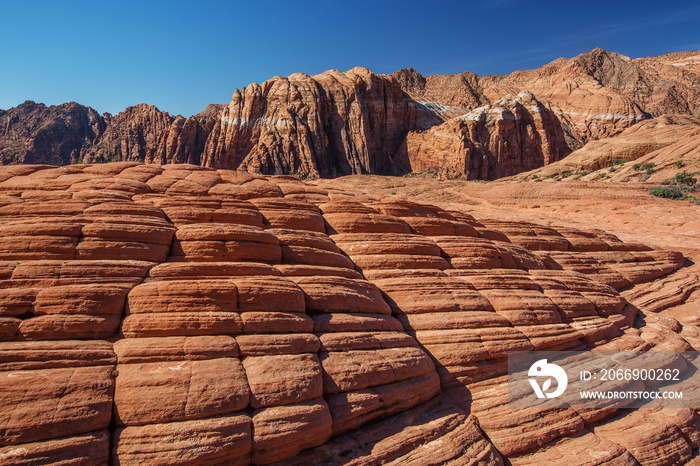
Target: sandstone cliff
(669, 143)
(144, 133)
(513, 135)
(596, 94)
(327, 125)
(336, 123)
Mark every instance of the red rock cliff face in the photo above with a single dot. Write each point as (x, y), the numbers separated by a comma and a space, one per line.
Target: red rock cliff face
(513, 135)
(144, 133)
(336, 123)
(327, 125)
(595, 95)
(59, 135)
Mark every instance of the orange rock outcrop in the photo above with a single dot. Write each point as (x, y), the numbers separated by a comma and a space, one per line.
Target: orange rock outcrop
(183, 315)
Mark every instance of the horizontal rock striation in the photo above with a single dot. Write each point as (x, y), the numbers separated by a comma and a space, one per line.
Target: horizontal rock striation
(182, 315)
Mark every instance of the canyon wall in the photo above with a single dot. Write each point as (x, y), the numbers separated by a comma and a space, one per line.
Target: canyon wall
(357, 122)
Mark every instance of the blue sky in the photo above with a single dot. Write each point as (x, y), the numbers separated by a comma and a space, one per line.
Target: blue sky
(183, 55)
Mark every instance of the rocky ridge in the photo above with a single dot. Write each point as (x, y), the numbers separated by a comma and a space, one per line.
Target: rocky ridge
(59, 135)
(149, 309)
(357, 122)
(514, 134)
(654, 150)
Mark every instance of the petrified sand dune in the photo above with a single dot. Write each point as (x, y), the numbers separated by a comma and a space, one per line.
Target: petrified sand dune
(181, 315)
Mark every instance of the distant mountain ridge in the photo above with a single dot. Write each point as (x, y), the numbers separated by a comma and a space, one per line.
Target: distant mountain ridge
(334, 123)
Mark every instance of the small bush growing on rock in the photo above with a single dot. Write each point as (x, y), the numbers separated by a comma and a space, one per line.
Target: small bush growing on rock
(679, 164)
(649, 168)
(685, 178)
(665, 182)
(668, 192)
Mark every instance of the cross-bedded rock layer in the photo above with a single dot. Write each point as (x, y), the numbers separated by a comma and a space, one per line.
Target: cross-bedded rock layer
(182, 315)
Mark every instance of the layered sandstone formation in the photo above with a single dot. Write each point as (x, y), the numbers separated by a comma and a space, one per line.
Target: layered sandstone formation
(326, 125)
(514, 134)
(144, 133)
(595, 95)
(356, 122)
(181, 315)
(632, 144)
(590, 97)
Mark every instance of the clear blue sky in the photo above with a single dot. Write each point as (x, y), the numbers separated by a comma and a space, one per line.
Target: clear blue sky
(183, 55)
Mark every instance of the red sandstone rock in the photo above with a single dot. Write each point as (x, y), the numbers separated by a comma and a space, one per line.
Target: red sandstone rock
(225, 439)
(49, 403)
(147, 393)
(283, 431)
(249, 357)
(660, 442)
(86, 449)
(283, 379)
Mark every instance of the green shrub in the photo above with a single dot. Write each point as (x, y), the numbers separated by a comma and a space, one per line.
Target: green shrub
(669, 192)
(620, 162)
(637, 166)
(685, 178)
(665, 182)
(679, 164)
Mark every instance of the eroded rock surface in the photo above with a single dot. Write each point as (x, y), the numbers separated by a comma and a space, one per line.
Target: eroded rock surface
(357, 122)
(181, 315)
